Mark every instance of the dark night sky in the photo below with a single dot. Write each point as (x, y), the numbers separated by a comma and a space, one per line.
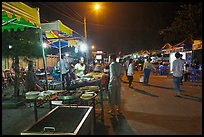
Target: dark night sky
(118, 26)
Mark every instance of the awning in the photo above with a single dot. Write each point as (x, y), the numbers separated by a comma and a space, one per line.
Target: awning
(56, 31)
(17, 15)
(58, 35)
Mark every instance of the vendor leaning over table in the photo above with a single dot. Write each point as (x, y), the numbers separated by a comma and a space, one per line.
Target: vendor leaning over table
(80, 68)
(32, 83)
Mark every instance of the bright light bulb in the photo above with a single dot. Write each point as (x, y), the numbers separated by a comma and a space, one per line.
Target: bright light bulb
(44, 45)
(92, 47)
(66, 54)
(97, 6)
(83, 47)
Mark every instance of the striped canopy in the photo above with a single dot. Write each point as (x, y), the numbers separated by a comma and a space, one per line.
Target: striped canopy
(56, 31)
(17, 15)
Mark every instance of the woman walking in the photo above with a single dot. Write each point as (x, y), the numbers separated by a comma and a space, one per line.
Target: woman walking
(146, 69)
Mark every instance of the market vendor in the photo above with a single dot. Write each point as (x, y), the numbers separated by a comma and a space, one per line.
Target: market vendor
(31, 81)
(80, 68)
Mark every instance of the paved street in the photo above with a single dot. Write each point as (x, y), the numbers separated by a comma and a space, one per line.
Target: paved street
(148, 110)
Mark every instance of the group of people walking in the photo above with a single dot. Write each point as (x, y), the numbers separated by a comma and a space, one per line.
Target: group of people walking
(117, 71)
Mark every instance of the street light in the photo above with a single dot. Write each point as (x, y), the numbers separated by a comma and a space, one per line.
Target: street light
(96, 7)
(92, 47)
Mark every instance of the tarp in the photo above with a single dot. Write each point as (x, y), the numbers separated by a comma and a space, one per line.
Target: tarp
(17, 15)
(56, 31)
(58, 35)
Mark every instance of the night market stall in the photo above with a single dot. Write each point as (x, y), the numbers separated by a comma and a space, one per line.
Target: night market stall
(83, 122)
(59, 36)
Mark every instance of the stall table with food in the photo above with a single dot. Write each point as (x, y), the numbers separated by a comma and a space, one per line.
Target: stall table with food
(37, 97)
(91, 82)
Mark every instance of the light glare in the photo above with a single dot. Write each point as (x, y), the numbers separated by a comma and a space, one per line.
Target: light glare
(83, 47)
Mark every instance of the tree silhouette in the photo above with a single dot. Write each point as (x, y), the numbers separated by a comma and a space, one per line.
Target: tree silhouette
(20, 44)
(187, 23)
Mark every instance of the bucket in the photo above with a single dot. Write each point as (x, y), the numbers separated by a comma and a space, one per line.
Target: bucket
(141, 78)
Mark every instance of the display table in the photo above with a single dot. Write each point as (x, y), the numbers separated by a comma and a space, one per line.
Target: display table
(35, 101)
(64, 120)
(93, 83)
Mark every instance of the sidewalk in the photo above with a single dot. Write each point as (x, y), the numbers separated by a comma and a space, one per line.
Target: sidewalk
(148, 110)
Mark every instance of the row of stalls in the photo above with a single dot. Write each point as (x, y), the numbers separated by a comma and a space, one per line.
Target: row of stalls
(190, 49)
(17, 16)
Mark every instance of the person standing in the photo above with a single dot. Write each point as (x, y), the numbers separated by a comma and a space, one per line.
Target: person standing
(183, 61)
(177, 68)
(147, 69)
(64, 66)
(126, 63)
(130, 72)
(71, 71)
(187, 72)
(114, 85)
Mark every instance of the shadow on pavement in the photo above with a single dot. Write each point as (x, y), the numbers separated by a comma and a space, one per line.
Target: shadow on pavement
(158, 86)
(170, 122)
(144, 92)
(193, 98)
(120, 126)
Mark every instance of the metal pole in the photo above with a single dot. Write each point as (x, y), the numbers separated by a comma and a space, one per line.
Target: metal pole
(85, 32)
(85, 35)
(60, 60)
(44, 60)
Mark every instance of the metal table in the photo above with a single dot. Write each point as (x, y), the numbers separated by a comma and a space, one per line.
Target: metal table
(64, 120)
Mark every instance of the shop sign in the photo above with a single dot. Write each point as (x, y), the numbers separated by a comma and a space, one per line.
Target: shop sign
(197, 46)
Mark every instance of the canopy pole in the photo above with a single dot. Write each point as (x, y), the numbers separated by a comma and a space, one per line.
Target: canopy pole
(60, 61)
(44, 60)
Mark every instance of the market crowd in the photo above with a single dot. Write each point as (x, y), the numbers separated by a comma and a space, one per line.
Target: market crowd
(112, 73)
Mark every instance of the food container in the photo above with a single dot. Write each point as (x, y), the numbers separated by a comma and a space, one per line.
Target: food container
(64, 120)
(69, 95)
(32, 94)
(88, 96)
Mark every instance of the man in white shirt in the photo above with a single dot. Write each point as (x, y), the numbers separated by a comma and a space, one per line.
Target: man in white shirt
(114, 86)
(130, 72)
(177, 69)
(126, 64)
